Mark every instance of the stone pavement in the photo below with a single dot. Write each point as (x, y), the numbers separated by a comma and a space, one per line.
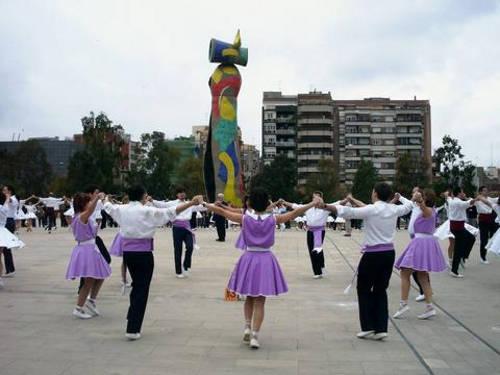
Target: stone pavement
(190, 329)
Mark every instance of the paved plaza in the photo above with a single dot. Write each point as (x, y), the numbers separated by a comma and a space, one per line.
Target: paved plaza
(190, 329)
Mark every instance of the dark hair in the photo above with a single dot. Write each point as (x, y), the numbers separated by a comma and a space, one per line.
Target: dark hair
(429, 197)
(245, 202)
(89, 189)
(457, 190)
(179, 189)
(383, 190)
(481, 188)
(2, 198)
(80, 201)
(259, 199)
(136, 193)
(11, 189)
(317, 192)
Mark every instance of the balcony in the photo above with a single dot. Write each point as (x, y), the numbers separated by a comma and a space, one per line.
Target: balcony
(285, 119)
(326, 121)
(307, 169)
(321, 133)
(285, 144)
(285, 131)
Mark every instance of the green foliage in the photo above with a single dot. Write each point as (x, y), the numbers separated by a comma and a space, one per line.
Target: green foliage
(27, 168)
(410, 172)
(99, 162)
(365, 178)
(279, 178)
(154, 165)
(190, 176)
(326, 181)
(453, 170)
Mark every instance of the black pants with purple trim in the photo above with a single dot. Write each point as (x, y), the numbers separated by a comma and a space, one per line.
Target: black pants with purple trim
(374, 273)
(7, 253)
(182, 235)
(486, 231)
(317, 259)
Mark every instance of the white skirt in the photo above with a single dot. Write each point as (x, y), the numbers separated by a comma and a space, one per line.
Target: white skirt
(493, 244)
(443, 232)
(8, 240)
(70, 212)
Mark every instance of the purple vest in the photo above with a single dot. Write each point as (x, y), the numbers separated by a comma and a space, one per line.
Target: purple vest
(257, 232)
(83, 232)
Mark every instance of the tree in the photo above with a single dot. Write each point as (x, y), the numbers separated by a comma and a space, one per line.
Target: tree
(279, 178)
(452, 168)
(154, 165)
(410, 172)
(27, 168)
(99, 161)
(190, 173)
(326, 181)
(364, 180)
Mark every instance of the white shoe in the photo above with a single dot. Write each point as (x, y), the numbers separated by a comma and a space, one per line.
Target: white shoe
(364, 334)
(186, 273)
(92, 307)
(180, 276)
(427, 314)
(456, 275)
(379, 336)
(246, 335)
(317, 276)
(402, 309)
(323, 271)
(420, 298)
(10, 274)
(484, 261)
(133, 336)
(81, 314)
(254, 343)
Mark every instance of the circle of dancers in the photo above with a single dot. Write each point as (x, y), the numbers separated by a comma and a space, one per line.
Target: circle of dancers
(257, 274)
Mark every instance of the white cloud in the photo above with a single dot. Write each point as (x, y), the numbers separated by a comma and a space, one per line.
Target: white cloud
(145, 62)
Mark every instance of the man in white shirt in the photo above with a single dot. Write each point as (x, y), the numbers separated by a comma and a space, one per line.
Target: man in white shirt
(316, 221)
(52, 205)
(138, 224)
(181, 232)
(486, 220)
(457, 213)
(375, 266)
(12, 206)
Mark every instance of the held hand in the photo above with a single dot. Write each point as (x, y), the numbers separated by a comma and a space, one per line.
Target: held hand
(397, 197)
(101, 196)
(197, 199)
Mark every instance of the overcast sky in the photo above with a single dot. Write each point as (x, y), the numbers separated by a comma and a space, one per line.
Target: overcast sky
(145, 63)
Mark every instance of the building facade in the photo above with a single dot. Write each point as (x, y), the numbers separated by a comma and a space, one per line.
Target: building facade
(346, 131)
(250, 160)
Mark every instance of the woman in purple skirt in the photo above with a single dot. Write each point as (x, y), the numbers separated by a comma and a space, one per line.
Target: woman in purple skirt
(422, 255)
(257, 274)
(86, 260)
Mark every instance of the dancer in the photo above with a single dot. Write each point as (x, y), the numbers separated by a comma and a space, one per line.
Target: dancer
(7, 239)
(257, 274)
(181, 232)
(464, 241)
(422, 255)
(138, 224)
(51, 206)
(493, 244)
(86, 261)
(486, 220)
(10, 224)
(220, 221)
(375, 266)
(117, 250)
(316, 222)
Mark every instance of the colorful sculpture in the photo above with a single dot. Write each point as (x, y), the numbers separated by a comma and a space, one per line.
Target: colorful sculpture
(222, 166)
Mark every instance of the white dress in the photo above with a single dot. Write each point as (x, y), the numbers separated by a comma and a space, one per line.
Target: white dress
(7, 239)
(493, 245)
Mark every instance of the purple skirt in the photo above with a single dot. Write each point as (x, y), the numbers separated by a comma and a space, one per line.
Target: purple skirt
(116, 247)
(257, 274)
(422, 254)
(87, 261)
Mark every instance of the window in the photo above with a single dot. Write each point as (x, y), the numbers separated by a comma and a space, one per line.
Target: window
(269, 115)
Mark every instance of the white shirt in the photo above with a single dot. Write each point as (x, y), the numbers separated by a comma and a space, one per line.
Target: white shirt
(97, 215)
(184, 215)
(12, 205)
(3, 214)
(415, 213)
(483, 208)
(315, 217)
(379, 219)
(137, 220)
(457, 208)
(52, 202)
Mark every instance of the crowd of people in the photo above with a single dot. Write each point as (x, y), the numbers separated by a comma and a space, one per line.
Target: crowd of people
(257, 274)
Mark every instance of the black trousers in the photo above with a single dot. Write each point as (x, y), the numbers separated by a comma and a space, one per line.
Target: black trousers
(374, 273)
(220, 224)
(317, 259)
(51, 217)
(7, 253)
(140, 264)
(182, 235)
(486, 231)
(464, 241)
